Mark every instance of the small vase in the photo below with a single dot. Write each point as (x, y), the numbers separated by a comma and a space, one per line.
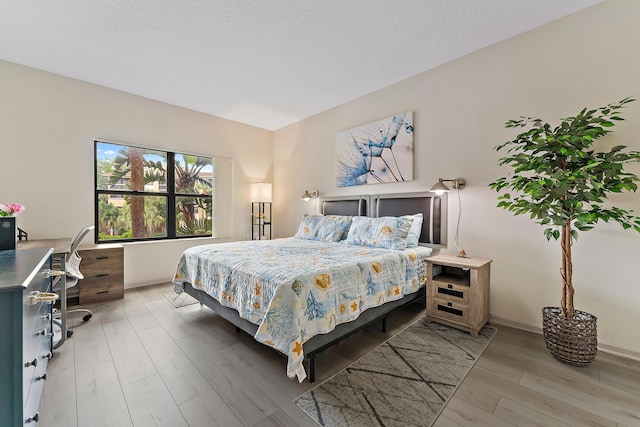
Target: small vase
(8, 235)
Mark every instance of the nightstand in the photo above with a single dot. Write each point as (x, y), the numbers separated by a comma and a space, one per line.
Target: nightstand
(458, 296)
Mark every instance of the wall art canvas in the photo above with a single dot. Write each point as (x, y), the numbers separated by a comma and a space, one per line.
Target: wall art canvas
(376, 153)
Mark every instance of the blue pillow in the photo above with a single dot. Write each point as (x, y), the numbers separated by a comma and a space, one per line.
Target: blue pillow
(329, 228)
(384, 232)
(414, 232)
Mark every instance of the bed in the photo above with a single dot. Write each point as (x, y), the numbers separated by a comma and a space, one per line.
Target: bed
(300, 295)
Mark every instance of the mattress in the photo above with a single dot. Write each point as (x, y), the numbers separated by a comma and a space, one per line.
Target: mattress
(294, 289)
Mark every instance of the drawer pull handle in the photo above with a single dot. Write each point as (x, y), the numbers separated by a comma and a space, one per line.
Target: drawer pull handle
(42, 377)
(49, 355)
(102, 275)
(35, 418)
(451, 292)
(46, 317)
(53, 273)
(102, 292)
(44, 333)
(449, 304)
(102, 257)
(450, 310)
(48, 297)
(449, 286)
(33, 362)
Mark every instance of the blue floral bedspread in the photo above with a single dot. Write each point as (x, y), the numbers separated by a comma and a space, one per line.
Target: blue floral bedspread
(296, 288)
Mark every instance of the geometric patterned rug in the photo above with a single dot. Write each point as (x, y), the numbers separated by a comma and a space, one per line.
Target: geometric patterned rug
(404, 382)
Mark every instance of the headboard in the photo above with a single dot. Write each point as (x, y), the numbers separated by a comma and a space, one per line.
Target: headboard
(345, 205)
(432, 206)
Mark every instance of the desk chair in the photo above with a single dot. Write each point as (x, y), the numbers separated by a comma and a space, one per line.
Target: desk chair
(73, 275)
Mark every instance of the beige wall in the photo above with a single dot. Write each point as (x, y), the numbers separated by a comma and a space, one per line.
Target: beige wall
(587, 59)
(48, 124)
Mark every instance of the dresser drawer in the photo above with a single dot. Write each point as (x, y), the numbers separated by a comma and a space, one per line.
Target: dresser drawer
(104, 256)
(24, 335)
(449, 291)
(36, 383)
(448, 310)
(37, 333)
(110, 258)
(37, 343)
(103, 287)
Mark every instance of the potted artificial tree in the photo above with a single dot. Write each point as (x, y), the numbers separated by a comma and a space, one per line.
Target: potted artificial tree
(562, 182)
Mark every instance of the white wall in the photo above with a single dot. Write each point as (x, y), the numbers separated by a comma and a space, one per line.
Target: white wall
(587, 59)
(48, 124)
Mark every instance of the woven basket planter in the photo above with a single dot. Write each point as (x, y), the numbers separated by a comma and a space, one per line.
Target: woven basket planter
(572, 341)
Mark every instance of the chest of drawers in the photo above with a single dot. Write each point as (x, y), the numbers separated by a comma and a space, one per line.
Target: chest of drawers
(103, 269)
(25, 333)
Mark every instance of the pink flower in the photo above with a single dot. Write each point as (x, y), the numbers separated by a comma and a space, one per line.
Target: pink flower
(10, 209)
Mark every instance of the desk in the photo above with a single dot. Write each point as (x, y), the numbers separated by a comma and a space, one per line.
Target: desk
(61, 248)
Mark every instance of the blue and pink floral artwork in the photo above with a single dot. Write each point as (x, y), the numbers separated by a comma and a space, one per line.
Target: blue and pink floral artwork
(376, 153)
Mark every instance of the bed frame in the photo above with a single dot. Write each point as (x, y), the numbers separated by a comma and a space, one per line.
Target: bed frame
(383, 205)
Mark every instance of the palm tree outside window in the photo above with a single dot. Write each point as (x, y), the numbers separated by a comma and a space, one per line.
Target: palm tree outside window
(150, 194)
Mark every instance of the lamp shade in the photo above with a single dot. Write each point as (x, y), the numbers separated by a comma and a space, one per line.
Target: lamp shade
(439, 187)
(306, 196)
(261, 192)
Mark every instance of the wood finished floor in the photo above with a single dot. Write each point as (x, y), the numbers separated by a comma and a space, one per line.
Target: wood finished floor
(142, 362)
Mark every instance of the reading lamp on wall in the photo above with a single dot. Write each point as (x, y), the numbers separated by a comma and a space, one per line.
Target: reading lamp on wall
(306, 196)
(440, 188)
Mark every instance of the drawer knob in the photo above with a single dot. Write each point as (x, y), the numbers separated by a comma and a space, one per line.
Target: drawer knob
(449, 304)
(42, 377)
(49, 355)
(35, 418)
(450, 286)
(33, 362)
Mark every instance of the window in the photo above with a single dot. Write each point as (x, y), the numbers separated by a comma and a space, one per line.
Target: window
(148, 194)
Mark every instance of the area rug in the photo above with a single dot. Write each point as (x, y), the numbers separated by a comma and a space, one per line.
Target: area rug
(404, 382)
(180, 300)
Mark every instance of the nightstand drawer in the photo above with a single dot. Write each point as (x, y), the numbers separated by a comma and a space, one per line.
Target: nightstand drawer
(448, 291)
(448, 310)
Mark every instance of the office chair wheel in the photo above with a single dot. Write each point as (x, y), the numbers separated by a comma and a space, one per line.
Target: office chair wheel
(69, 333)
(87, 317)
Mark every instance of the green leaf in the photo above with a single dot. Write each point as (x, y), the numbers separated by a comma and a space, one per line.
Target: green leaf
(558, 177)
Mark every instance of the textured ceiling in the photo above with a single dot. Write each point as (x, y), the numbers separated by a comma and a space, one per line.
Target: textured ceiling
(267, 63)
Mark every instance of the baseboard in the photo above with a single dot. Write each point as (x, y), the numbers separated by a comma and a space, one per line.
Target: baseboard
(604, 346)
(504, 321)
